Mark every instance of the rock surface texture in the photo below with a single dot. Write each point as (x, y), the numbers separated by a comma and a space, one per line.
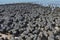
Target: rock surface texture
(27, 21)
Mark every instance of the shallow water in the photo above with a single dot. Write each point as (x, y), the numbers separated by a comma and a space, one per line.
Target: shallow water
(44, 2)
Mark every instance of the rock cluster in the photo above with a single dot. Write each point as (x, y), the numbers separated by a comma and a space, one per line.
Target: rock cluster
(26, 21)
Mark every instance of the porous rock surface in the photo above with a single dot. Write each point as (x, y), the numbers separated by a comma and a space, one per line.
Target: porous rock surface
(27, 21)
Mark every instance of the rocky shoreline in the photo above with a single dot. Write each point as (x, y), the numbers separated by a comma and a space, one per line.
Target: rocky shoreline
(27, 21)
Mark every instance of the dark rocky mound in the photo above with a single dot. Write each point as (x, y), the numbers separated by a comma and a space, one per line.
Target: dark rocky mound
(29, 21)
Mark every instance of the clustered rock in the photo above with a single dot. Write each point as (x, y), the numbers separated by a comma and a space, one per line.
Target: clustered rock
(27, 21)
